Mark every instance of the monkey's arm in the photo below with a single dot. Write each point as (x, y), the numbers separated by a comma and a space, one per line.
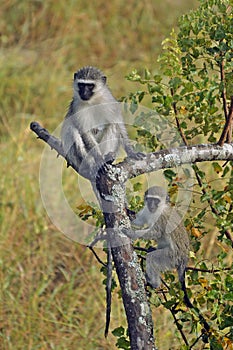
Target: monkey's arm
(127, 145)
(146, 233)
(92, 146)
(134, 234)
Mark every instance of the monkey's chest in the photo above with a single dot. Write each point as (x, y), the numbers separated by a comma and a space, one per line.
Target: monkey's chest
(104, 132)
(98, 132)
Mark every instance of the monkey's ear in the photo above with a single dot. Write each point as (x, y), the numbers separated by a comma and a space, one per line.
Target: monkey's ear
(75, 76)
(104, 79)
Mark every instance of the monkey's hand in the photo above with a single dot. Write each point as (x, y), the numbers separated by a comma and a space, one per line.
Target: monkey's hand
(136, 155)
(109, 158)
(131, 214)
(128, 232)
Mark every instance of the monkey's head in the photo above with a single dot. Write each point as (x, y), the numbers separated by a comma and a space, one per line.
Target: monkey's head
(88, 81)
(155, 197)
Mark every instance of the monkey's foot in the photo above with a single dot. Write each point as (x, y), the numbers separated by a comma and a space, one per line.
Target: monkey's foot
(153, 282)
(137, 155)
(109, 158)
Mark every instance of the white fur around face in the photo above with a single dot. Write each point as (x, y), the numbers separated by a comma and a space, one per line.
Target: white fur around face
(101, 93)
(147, 219)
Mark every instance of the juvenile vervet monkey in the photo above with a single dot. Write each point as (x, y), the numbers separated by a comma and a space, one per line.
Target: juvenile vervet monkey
(163, 224)
(93, 129)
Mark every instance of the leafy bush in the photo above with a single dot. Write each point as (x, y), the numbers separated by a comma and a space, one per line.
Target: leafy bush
(194, 91)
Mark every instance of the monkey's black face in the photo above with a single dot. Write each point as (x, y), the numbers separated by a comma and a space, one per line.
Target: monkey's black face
(152, 204)
(86, 90)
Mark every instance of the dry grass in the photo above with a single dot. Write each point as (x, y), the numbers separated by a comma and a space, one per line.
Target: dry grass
(52, 295)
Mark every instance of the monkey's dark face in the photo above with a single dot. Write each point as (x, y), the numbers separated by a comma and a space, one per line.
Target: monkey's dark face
(152, 203)
(86, 90)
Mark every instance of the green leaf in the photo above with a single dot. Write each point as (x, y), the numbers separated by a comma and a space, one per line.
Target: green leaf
(175, 83)
(123, 343)
(212, 110)
(215, 345)
(141, 96)
(183, 125)
(118, 332)
(229, 296)
(205, 197)
(169, 174)
(137, 186)
(133, 107)
(147, 74)
(217, 167)
(157, 78)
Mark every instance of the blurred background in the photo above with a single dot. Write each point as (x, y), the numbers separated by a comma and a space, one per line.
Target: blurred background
(51, 291)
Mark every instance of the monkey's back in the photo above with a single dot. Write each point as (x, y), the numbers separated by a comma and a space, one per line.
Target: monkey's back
(169, 227)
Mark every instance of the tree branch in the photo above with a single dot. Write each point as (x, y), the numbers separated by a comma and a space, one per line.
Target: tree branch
(44, 135)
(129, 272)
(173, 157)
(168, 158)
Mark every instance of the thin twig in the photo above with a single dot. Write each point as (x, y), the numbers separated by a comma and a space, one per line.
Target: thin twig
(195, 342)
(177, 120)
(227, 130)
(208, 270)
(96, 256)
(224, 95)
(179, 327)
(99, 237)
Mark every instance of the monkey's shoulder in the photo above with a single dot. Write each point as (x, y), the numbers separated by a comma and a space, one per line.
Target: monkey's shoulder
(170, 221)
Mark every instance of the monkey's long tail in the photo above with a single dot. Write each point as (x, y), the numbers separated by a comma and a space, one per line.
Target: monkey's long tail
(108, 289)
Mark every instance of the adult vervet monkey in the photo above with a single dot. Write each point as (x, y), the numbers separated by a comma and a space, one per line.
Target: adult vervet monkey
(93, 129)
(92, 133)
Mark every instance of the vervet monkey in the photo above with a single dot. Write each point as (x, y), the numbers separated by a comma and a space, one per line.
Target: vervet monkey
(93, 129)
(92, 133)
(163, 224)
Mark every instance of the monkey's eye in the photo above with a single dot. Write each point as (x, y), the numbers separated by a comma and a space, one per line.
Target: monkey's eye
(153, 201)
(91, 86)
(84, 85)
(81, 85)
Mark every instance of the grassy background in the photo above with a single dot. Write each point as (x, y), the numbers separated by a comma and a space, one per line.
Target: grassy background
(52, 295)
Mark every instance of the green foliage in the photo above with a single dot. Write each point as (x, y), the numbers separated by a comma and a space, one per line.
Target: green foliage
(192, 92)
(123, 339)
(191, 66)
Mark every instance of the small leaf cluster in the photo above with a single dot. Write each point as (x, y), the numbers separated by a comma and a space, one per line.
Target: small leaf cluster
(123, 338)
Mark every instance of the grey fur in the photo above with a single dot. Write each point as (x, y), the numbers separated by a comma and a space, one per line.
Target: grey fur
(89, 73)
(93, 129)
(166, 228)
